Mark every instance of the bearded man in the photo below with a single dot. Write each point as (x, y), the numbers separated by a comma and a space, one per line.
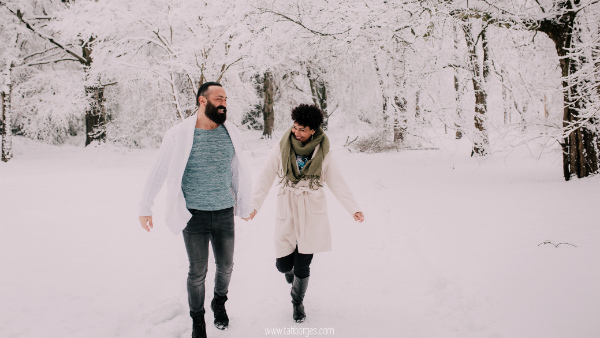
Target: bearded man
(207, 184)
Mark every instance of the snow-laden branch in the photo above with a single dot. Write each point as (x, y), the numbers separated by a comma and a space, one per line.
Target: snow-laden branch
(299, 23)
(37, 63)
(169, 79)
(573, 8)
(39, 18)
(19, 15)
(46, 57)
(224, 68)
(541, 7)
(510, 23)
(42, 52)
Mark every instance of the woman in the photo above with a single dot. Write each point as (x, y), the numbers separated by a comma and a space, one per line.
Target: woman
(304, 164)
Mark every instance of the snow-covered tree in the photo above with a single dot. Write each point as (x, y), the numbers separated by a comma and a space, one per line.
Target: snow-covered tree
(5, 96)
(563, 21)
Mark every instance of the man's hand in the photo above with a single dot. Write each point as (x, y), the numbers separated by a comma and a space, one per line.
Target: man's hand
(146, 222)
(252, 214)
(359, 217)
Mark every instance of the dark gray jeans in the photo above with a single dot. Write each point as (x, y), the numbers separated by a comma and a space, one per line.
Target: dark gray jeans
(218, 228)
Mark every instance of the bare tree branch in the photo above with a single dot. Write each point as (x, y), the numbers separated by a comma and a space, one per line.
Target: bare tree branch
(577, 10)
(37, 63)
(541, 7)
(165, 44)
(302, 25)
(19, 15)
(502, 10)
(224, 69)
(46, 57)
(42, 52)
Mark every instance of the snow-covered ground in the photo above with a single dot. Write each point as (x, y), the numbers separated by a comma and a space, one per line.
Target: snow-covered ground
(451, 247)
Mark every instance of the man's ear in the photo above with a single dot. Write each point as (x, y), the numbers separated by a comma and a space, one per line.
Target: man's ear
(201, 100)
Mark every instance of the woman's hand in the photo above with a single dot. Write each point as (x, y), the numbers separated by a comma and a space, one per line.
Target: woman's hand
(146, 222)
(359, 217)
(250, 217)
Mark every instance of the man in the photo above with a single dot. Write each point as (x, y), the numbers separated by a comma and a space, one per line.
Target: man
(207, 183)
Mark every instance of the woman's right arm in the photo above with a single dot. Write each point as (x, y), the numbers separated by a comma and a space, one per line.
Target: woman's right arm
(267, 175)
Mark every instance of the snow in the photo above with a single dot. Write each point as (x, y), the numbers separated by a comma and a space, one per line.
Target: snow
(451, 247)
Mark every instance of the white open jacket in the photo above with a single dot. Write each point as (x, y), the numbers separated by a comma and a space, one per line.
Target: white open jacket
(170, 165)
(301, 215)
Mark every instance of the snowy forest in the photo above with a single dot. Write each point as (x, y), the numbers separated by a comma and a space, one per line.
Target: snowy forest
(467, 130)
(497, 73)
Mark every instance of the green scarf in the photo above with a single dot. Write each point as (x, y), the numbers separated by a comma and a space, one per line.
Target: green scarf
(290, 147)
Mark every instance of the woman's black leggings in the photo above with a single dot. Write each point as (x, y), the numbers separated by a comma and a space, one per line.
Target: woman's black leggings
(300, 263)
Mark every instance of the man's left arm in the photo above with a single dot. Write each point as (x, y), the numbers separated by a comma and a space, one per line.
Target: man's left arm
(241, 180)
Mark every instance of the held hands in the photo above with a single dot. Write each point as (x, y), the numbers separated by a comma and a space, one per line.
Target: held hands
(252, 214)
(359, 217)
(146, 222)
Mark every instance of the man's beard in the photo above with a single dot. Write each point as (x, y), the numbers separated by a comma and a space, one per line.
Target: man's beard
(213, 114)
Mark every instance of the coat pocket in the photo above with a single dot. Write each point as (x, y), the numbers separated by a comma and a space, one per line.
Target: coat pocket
(282, 206)
(318, 202)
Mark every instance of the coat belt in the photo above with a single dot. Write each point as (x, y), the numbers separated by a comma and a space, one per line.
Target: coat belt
(300, 194)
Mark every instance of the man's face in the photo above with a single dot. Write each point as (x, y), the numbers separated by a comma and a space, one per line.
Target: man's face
(216, 105)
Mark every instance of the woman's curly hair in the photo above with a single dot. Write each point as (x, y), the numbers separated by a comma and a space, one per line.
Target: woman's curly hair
(308, 115)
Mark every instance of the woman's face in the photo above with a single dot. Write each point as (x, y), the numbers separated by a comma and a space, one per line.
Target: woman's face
(302, 133)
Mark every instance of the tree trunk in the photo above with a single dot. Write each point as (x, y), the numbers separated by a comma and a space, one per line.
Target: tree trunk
(505, 98)
(387, 133)
(318, 91)
(480, 140)
(418, 116)
(524, 115)
(580, 145)
(5, 93)
(486, 65)
(268, 113)
(400, 120)
(486, 56)
(584, 155)
(95, 116)
(458, 104)
(175, 94)
(457, 90)
(322, 91)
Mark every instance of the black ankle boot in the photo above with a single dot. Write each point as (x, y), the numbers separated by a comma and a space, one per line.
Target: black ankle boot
(289, 276)
(299, 287)
(218, 307)
(299, 314)
(198, 326)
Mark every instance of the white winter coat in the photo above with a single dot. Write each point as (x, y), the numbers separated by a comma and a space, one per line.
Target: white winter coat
(301, 215)
(170, 164)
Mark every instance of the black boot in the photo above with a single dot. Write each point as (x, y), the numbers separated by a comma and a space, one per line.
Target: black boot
(298, 290)
(218, 307)
(289, 276)
(198, 326)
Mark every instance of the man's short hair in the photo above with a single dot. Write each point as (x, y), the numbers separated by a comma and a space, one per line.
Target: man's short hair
(204, 89)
